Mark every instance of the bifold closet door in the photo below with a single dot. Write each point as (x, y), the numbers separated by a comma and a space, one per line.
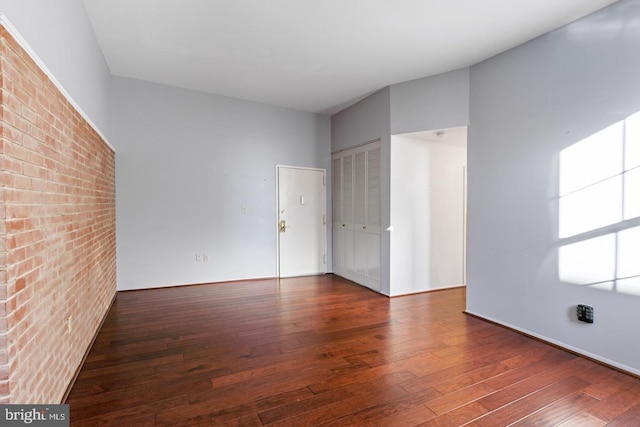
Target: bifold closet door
(356, 214)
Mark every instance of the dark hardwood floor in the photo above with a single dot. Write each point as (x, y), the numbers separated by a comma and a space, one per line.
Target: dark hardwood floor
(323, 351)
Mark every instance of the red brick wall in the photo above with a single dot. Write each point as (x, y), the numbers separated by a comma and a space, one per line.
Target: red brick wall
(57, 232)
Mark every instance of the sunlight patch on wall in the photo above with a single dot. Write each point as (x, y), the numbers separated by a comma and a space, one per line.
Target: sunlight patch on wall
(591, 208)
(632, 201)
(588, 262)
(599, 191)
(628, 253)
(592, 160)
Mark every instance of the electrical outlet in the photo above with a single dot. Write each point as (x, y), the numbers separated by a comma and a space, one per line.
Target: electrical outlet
(585, 313)
(198, 258)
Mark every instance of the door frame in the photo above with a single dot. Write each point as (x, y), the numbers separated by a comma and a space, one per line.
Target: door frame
(277, 206)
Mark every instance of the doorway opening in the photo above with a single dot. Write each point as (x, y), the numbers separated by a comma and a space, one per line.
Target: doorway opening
(428, 210)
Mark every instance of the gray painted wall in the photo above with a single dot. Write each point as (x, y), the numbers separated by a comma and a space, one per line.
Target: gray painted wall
(430, 103)
(365, 121)
(61, 35)
(527, 105)
(186, 163)
(362, 122)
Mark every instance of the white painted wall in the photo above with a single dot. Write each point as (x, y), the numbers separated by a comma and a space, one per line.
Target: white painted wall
(526, 106)
(61, 35)
(186, 164)
(447, 214)
(410, 216)
(426, 215)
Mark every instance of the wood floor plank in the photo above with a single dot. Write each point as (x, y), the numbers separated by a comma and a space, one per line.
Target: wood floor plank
(445, 373)
(628, 418)
(459, 398)
(143, 414)
(540, 381)
(604, 383)
(558, 412)
(247, 421)
(391, 409)
(582, 419)
(316, 401)
(457, 417)
(514, 411)
(323, 351)
(615, 405)
(405, 417)
(337, 410)
(548, 360)
(307, 405)
(205, 413)
(466, 379)
(86, 406)
(336, 380)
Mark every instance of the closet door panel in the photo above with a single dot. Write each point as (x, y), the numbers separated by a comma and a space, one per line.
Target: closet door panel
(336, 189)
(373, 256)
(360, 249)
(357, 214)
(373, 190)
(348, 250)
(360, 189)
(338, 246)
(347, 190)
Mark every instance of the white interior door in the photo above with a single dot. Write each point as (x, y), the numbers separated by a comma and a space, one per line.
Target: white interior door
(301, 221)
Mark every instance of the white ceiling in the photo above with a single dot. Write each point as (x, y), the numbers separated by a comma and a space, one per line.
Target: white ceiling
(313, 55)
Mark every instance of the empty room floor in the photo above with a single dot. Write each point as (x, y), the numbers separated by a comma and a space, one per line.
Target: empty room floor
(323, 351)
